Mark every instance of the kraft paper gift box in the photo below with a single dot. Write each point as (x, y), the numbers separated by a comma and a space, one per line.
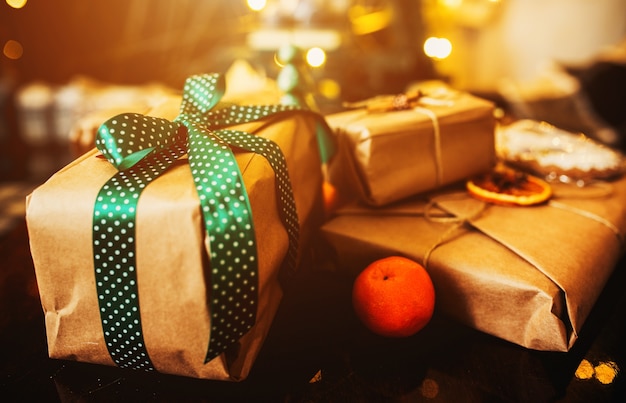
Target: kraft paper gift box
(172, 257)
(529, 275)
(387, 155)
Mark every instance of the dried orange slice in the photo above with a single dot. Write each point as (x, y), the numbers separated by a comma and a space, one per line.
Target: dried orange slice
(509, 187)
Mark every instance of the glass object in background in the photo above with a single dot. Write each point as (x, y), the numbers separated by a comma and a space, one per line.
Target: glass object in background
(370, 47)
(34, 103)
(34, 111)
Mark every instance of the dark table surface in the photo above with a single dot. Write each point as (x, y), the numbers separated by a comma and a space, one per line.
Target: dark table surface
(317, 351)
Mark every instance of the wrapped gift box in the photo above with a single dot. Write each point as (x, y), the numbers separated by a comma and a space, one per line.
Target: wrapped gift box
(384, 156)
(529, 275)
(171, 250)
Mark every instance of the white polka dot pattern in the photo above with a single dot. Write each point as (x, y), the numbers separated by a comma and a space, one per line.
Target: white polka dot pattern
(284, 193)
(201, 94)
(126, 138)
(115, 260)
(232, 242)
(142, 148)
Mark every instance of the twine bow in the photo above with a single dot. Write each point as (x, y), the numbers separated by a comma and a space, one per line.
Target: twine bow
(143, 147)
(456, 222)
(417, 101)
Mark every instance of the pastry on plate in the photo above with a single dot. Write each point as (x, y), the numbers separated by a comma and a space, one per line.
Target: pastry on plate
(556, 154)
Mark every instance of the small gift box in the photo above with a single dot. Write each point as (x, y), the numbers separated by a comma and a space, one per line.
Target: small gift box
(189, 284)
(529, 275)
(391, 148)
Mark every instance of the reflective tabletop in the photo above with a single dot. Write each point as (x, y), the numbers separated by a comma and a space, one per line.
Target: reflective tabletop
(318, 351)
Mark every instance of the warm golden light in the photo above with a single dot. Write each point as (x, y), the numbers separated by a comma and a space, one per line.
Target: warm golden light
(315, 57)
(585, 370)
(605, 372)
(277, 60)
(13, 49)
(365, 21)
(257, 5)
(437, 48)
(459, 3)
(16, 3)
(451, 3)
(330, 89)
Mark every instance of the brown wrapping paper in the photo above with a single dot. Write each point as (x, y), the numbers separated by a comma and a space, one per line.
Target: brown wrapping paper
(529, 275)
(171, 261)
(388, 156)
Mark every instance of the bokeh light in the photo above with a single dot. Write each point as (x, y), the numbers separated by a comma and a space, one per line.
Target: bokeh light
(13, 49)
(366, 21)
(605, 372)
(257, 5)
(16, 3)
(315, 57)
(329, 88)
(437, 48)
(277, 60)
(451, 3)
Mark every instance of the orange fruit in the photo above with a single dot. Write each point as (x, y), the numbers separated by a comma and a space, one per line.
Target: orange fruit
(509, 187)
(330, 197)
(394, 297)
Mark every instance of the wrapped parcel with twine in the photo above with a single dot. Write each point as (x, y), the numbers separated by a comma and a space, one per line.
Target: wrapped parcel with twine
(528, 275)
(162, 249)
(393, 147)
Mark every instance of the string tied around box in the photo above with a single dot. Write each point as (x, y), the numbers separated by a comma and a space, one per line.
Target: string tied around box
(456, 222)
(419, 102)
(601, 190)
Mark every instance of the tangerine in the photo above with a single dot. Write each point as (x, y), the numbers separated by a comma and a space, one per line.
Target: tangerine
(330, 197)
(394, 297)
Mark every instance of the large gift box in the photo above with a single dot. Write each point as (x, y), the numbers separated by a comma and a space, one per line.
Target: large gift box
(529, 275)
(179, 282)
(392, 147)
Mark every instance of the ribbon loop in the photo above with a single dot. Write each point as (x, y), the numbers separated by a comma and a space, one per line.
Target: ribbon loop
(126, 139)
(201, 94)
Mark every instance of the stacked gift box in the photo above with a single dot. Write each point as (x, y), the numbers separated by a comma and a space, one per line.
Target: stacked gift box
(529, 275)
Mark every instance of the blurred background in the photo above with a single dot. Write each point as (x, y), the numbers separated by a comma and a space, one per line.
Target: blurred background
(559, 60)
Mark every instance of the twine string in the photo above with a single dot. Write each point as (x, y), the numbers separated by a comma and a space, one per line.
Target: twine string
(437, 141)
(456, 222)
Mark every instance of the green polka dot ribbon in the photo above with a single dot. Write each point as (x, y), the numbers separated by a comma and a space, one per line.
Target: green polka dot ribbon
(143, 147)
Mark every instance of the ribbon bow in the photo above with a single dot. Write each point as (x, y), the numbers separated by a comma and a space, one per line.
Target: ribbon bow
(143, 147)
